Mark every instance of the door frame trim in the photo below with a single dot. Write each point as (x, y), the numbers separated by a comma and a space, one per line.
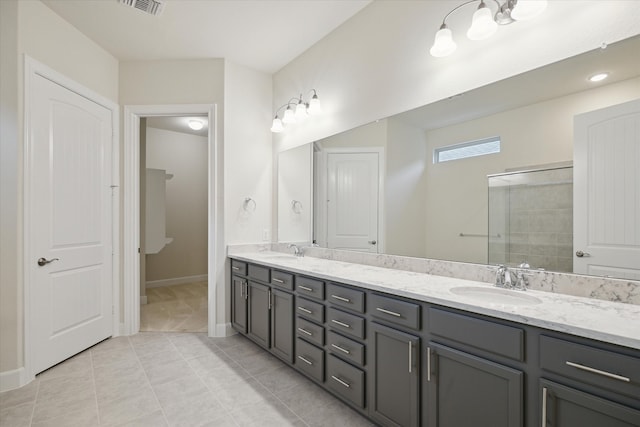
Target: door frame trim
(33, 68)
(131, 243)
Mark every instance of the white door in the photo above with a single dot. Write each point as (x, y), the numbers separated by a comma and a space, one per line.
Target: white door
(352, 201)
(607, 192)
(70, 223)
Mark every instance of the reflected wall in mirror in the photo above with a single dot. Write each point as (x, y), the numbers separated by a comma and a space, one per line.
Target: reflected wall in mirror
(426, 206)
(294, 194)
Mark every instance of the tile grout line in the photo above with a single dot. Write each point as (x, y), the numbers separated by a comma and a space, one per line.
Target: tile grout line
(95, 388)
(35, 402)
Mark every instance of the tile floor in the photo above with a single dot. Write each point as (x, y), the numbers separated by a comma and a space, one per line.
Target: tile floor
(178, 308)
(176, 379)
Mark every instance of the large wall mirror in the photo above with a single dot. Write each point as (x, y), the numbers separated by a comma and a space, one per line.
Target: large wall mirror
(379, 188)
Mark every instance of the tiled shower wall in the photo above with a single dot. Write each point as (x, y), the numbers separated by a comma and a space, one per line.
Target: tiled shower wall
(531, 219)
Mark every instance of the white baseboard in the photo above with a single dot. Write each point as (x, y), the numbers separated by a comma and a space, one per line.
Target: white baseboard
(224, 330)
(10, 380)
(143, 299)
(177, 281)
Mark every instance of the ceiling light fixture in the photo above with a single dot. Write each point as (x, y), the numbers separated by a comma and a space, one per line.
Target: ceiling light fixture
(484, 22)
(598, 77)
(302, 110)
(196, 124)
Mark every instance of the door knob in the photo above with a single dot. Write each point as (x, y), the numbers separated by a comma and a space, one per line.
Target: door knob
(44, 261)
(372, 242)
(581, 254)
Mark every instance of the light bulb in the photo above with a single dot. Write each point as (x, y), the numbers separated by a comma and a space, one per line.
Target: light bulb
(314, 105)
(598, 77)
(277, 126)
(528, 9)
(443, 44)
(301, 110)
(195, 124)
(289, 116)
(482, 24)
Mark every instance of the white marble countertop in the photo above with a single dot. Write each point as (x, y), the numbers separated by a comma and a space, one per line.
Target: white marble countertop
(611, 322)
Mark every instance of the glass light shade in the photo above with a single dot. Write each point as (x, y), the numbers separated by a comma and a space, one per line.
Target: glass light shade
(482, 24)
(277, 126)
(314, 105)
(598, 77)
(443, 44)
(301, 111)
(289, 116)
(195, 124)
(528, 9)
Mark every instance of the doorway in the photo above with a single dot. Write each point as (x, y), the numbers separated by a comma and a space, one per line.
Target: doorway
(173, 218)
(133, 115)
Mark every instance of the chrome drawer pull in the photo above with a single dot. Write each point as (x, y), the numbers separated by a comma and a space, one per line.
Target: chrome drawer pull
(235, 268)
(304, 331)
(305, 360)
(344, 350)
(337, 322)
(340, 381)
(428, 364)
(393, 313)
(305, 310)
(339, 298)
(410, 353)
(277, 280)
(304, 288)
(544, 407)
(598, 371)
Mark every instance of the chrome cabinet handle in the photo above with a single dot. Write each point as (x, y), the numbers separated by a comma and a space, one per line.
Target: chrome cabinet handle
(393, 313)
(235, 268)
(304, 331)
(305, 310)
(337, 322)
(43, 261)
(544, 407)
(598, 371)
(428, 364)
(344, 350)
(304, 288)
(269, 296)
(277, 280)
(340, 381)
(410, 354)
(308, 362)
(581, 254)
(241, 289)
(339, 298)
(246, 290)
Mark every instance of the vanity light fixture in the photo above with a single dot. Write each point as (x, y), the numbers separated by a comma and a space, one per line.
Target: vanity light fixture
(196, 124)
(301, 109)
(598, 77)
(484, 22)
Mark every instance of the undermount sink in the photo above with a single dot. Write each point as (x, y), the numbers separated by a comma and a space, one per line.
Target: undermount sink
(281, 257)
(496, 295)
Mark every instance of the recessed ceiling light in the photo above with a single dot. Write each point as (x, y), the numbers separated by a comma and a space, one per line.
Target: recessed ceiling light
(195, 124)
(598, 77)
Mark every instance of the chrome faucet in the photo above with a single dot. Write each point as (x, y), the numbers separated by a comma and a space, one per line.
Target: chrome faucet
(297, 250)
(505, 278)
(500, 276)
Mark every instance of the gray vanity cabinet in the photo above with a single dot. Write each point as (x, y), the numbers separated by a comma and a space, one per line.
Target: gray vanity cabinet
(259, 307)
(239, 302)
(468, 391)
(282, 324)
(563, 406)
(394, 371)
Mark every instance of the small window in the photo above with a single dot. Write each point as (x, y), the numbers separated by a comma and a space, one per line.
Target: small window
(467, 149)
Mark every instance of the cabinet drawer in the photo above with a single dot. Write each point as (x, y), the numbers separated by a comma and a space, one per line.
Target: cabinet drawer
(310, 359)
(345, 322)
(310, 310)
(602, 368)
(346, 380)
(282, 279)
(498, 339)
(395, 311)
(345, 348)
(310, 287)
(238, 267)
(310, 331)
(345, 297)
(259, 272)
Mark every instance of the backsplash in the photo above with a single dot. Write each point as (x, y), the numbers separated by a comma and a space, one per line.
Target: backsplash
(618, 290)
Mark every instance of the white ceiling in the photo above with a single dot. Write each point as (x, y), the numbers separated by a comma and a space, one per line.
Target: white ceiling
(179, 124)
(261, 34)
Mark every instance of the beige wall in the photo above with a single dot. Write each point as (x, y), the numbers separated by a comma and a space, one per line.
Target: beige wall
(185, 157)
(30, 28)
(537, 134)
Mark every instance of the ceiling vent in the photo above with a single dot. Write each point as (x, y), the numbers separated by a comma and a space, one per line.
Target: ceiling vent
(152, 7)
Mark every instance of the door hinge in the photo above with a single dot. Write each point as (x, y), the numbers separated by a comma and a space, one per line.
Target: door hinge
(139, 251)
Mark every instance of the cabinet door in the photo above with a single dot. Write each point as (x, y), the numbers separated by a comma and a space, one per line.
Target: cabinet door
(239, 304)
(394, 390)
(282, 325)
(468, 391)
(259, 308)
(563, 406)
